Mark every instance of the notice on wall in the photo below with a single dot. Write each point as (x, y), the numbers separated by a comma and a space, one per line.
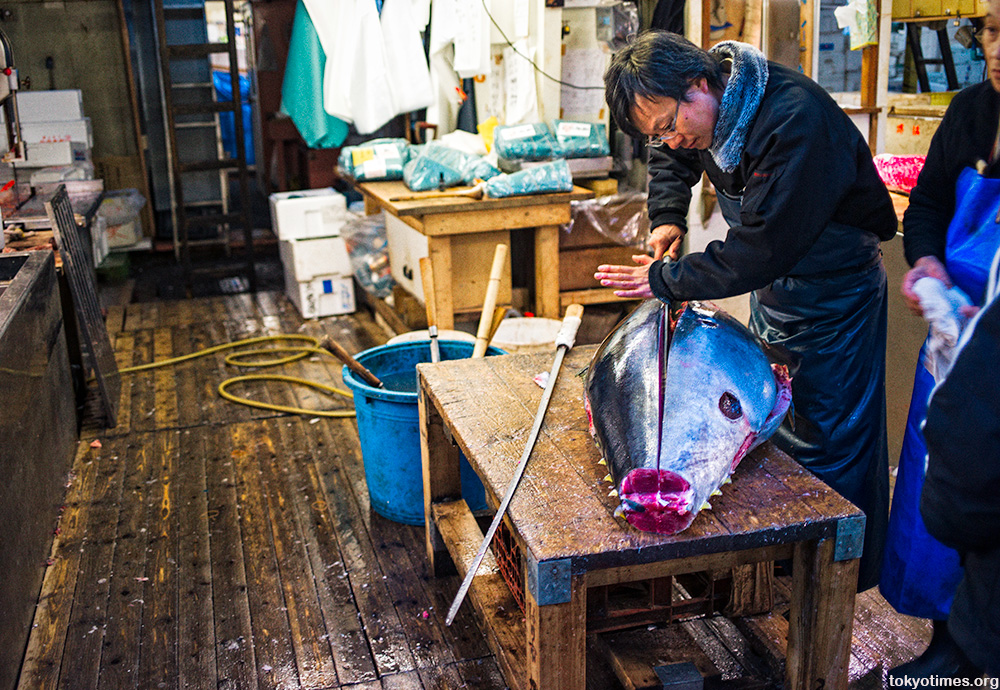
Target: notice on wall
(583, 67)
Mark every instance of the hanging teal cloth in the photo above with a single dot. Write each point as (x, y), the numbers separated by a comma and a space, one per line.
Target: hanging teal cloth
(302, 89)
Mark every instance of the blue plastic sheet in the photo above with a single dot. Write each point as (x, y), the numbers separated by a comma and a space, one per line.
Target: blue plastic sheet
(537, 179)
(582, 139)
(378, 159)
(526, 143)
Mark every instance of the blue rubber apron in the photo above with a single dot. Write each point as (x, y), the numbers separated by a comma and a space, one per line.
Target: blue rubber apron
(920, 574)
(831, 310)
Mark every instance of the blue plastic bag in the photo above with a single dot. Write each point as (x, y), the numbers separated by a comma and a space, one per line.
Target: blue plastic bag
(537, 179)
(582, 139)
(525, 142)
(378, 159)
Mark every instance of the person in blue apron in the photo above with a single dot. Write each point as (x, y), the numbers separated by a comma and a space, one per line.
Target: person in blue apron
(949, 233)
(807, 211)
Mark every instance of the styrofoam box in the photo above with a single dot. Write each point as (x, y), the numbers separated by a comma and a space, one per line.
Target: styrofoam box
(406, 247)
(56, 153)
(308, 213)
(310, 258)
(323, 296)
(58, 130)
(49, 106)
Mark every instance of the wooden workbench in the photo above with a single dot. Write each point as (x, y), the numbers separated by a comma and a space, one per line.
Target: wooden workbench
(443, 219)
(562, 520)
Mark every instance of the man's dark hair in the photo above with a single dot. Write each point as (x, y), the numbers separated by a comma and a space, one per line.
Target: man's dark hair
(656, 63)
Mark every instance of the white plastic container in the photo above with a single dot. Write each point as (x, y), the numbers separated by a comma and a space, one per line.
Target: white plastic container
(527, 334)
(322, 296)
(308, 213)
(311, 258)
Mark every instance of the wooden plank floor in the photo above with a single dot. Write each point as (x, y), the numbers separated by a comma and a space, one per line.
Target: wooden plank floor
(210, 545)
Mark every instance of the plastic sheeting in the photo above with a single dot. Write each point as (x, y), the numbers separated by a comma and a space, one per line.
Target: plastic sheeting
(622, 218)
(368, 249)
(545, 178)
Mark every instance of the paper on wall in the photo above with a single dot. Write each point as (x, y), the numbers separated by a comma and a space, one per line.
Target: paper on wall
(860, 18)
(521, 97)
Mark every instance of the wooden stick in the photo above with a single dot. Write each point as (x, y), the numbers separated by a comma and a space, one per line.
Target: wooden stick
(475, 192)
(498, 315)
(427, 277)
(336, 349)
(486, 319)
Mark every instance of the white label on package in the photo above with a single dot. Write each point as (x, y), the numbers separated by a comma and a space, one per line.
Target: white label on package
(519, 132)
(573, 129)
(386, 151)
(373, 169)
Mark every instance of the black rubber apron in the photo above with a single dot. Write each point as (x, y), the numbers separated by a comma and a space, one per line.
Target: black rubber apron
(831, 311)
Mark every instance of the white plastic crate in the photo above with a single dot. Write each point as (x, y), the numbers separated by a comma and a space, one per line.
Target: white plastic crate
(323, 296)
(310, 258)
(308, 213)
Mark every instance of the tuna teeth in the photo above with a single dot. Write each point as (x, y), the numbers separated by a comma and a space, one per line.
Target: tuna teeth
(613, 493)
(608, 478)
(706, 506)
(620, 512)
(717, 492)
(728, 480)
(602, 461)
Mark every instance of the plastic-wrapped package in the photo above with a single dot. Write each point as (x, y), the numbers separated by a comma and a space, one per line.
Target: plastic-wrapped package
(368, 248)
(548, 177)
(525, 142)
(378, 159)
(622, 218)
(439, 165)
(582, 139)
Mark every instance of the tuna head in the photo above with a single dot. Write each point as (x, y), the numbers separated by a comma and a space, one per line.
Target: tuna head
(673, 425)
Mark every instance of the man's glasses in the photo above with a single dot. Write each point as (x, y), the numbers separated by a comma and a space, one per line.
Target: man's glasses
(988, 35)
(658, 140)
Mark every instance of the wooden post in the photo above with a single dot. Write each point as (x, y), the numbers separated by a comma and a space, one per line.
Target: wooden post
(439, 250)
(822, 615)
(547, 271)
(557, 640)
(439, 459)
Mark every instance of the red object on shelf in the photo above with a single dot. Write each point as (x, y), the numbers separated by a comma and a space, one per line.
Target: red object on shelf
(899, 173)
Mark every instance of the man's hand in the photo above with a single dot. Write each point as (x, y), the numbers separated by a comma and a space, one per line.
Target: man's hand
(666, 239)
(633, 280)
(925, 267)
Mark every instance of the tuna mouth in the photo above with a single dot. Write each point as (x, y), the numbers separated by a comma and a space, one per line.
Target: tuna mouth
(656, 500)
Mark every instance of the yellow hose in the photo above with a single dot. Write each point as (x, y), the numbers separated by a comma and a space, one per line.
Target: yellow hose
(237, 359)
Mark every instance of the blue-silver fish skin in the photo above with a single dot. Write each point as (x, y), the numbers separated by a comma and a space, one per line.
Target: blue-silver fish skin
(670, 442)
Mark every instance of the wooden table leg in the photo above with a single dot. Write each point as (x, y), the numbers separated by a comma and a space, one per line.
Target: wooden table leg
(557, 640)
(439, 250)
(371, 204)
(822, 616)
(547, 271)
(442, 479)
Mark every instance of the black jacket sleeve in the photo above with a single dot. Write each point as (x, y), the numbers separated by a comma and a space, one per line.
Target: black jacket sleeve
(965, 135)
(672, 175)
(960, 502)
(803, 162)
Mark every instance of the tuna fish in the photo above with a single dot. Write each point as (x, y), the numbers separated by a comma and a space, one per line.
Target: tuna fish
(673, 416)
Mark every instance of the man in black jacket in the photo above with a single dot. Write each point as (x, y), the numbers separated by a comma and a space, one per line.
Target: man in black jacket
(960, 502)
(806, 209)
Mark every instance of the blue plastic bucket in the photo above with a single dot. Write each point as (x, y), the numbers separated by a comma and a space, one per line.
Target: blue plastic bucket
(388, 426)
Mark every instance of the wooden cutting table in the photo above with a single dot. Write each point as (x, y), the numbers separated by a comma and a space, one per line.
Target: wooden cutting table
(448, 219)
(562, 520)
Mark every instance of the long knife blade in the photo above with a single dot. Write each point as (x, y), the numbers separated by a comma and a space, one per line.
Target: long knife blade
(564, 341)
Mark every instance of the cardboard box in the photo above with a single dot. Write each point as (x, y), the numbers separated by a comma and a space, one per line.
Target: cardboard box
(323, 296)
(471, 261)
(308, 213)
(306, 260)
(49, 106)
(124, 234)
(51, 131)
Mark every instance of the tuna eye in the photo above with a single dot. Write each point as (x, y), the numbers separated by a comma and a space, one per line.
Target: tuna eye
(730, 406)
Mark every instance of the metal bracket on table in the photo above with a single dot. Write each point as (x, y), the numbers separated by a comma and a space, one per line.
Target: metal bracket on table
(549, 581)
(850, 538)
